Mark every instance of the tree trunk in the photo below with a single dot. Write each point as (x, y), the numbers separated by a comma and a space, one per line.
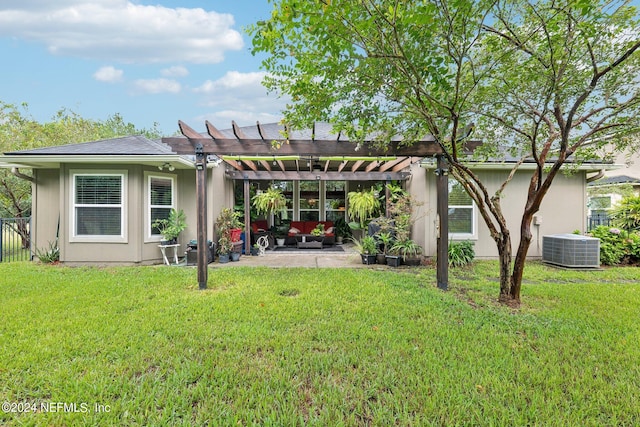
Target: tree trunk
(521, 257)
(504, 257)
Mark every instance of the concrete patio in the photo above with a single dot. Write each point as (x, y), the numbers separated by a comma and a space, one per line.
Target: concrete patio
(312, 258)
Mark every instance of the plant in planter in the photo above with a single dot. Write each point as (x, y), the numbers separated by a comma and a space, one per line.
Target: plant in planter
(318, 230)
(408, 250)
(386, 241)
(342, 230)
(171, 227)
(228, 221)
(225, 246)
(228, 225)
(362, 206)
(255, 249)
(269, 201)
(368, 248)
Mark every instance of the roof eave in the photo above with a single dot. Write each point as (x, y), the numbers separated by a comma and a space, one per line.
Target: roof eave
(42, 161)
(527, 166)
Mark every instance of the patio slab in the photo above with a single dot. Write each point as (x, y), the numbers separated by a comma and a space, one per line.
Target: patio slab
(311, 258)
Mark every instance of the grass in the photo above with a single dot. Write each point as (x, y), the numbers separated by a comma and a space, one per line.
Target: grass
(318, 347)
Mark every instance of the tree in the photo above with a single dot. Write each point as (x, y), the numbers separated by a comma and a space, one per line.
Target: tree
(19, 131)
(552, 81)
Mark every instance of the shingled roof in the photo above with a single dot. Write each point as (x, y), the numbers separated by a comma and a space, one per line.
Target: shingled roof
(124, 146)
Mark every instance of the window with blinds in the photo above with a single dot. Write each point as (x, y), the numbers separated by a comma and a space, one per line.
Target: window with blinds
(461, 210)
(160, 200)
(98, 204)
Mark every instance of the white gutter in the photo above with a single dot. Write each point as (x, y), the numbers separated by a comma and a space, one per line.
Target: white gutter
(44, 161)
(529, 166)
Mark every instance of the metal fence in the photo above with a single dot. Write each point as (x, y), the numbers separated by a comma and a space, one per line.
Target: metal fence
(594, 221)
(15, 239)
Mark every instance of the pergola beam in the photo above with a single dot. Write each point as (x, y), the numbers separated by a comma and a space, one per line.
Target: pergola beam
(316, 176)
(319, 148)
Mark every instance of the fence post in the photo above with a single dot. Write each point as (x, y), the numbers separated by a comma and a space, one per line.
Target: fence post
(1, 236)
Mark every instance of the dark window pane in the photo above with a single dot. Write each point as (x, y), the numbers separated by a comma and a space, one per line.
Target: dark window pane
(100, 221)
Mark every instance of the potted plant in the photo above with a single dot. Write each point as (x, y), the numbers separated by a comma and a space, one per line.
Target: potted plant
(342, 230)
(228, 221)
(368, 248)
(269, 201)
(318, 230)
(171, 227)
(255, 249)
(225, 246)
(408, 250)
(362, 206)
(386, 241)
(228, 226)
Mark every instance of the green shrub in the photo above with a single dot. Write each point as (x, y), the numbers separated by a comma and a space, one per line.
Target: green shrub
(617, 246)
(627, 214)
(49, 255)
(461, 253)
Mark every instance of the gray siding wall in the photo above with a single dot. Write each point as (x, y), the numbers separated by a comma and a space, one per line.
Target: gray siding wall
(563, 209)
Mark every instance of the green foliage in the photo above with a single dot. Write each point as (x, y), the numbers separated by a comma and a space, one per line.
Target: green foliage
(363, 205)
(626, 214)
(227, 220)
(406, 248)
(366, 246)
(342, 228)
(171, 227)
(531, 75)
(347, 347)
(318, 230)
(269, 201)
(19, 131)
(461, 253)
(49, 255)
(617, 246)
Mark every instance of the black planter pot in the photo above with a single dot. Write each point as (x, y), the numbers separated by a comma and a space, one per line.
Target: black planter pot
(381, 259)
(368, 259)
(394, 260)
(414, 262)
(223, 258)
(255, 251)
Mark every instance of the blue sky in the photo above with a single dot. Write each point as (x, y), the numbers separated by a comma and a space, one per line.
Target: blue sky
(150, 61)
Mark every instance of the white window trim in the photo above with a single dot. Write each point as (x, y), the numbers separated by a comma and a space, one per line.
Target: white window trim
(148, 237)
(123, 237)
(474, 223)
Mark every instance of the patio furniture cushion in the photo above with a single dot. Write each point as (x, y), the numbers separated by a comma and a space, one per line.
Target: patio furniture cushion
(305, 227)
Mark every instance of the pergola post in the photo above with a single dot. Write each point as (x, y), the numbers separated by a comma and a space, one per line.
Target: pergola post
(247, 216)
(201, 206)
(442, 245)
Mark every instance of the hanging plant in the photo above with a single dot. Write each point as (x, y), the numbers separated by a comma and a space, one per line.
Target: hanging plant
(362, 206)
(269, 201)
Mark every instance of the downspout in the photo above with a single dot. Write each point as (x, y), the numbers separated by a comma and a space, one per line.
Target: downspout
(598, 175)
(16, 172)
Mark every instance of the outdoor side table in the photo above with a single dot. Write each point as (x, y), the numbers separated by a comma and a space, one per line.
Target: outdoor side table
(310, 241)
(163, 249)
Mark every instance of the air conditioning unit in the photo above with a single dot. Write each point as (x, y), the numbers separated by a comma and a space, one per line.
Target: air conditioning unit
(571, 250)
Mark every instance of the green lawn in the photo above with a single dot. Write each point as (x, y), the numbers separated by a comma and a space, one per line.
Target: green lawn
(317, 347)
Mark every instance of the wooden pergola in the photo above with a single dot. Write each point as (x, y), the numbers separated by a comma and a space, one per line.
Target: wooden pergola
(273, 152)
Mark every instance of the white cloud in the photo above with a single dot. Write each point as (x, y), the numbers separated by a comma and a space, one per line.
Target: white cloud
(233, 80)
(176, 71)
(108, 74)
(156, 86)
(245, 93)
(119, 30)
